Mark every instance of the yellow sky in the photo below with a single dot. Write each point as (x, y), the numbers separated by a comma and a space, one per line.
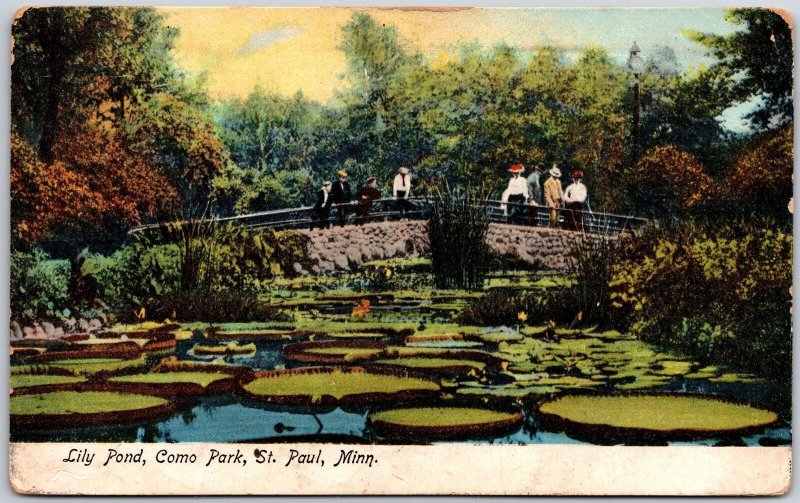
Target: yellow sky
(286, 50)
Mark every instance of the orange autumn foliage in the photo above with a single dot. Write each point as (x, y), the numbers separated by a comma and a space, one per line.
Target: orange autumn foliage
(92, 183)
(761, 181)
(670, 181)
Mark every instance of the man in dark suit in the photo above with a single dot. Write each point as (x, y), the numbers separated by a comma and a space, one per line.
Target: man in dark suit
(342, 196)
(322, 207)
(366, 197)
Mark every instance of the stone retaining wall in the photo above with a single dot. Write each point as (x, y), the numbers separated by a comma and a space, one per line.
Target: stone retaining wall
(343, 248)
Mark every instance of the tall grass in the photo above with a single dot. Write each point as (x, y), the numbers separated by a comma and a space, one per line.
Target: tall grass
(457, 237)
(591, 261)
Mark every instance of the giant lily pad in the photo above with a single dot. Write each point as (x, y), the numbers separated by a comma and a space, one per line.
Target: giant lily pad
(334, 351)
(173, 383)
(444, 423)
(39, 383)
(63, 409)
(650, 417)
(332, 385)
(232, 348)
(84, 366)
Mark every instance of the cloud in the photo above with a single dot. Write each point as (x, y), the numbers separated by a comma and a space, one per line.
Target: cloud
(263, 39)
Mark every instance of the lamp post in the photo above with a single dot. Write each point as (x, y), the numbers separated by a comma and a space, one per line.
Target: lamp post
(636, 67)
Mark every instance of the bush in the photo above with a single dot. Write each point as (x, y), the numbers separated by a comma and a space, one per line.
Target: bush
(501, 307)
(722, 295)
(590, 261)
(39, 287)
(135, 276)
(215, 306)
(457, 235)
(669, 182)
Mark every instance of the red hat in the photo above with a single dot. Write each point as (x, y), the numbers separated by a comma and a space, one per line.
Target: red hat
(576, 173)
(517, 168)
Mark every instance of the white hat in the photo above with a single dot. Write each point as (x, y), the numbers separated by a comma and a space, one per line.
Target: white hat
(326, 183)
(403, 171)
(555, 173)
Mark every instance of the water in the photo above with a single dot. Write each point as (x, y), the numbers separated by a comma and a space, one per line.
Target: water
(232, 418)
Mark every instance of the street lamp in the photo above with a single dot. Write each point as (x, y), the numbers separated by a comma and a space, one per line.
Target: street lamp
(636, 67)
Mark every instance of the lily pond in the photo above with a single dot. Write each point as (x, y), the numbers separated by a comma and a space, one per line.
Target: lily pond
(356, 366)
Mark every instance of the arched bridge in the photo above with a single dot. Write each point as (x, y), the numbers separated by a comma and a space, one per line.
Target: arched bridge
(388, 233)
(385, 210)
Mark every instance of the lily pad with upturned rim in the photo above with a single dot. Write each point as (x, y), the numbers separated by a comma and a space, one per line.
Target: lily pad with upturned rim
(650, 417)
(64, 409)
(444, 423)
(338, 385)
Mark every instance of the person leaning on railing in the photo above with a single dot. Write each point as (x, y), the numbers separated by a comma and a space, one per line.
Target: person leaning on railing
(365, 198)
(321, 213)
(401, 191)
(553, 194)
(515, 196)
(342, 196)
(574, 197)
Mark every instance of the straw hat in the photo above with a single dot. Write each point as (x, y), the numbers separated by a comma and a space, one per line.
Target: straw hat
(555, 173)
(326, 183)
(403, 171)
(342, 173)
(371, 179)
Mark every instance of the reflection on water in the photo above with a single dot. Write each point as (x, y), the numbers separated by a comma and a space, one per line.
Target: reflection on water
(234, 419)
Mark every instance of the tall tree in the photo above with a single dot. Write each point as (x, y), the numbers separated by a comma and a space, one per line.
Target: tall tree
(755, 63)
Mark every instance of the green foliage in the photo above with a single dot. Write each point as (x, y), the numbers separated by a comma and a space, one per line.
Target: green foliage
(721, 294)
(591, 261)
(136, 275)
(215, 306)
(457, 235)
(39, 287)
(755, 62)
(502, 307)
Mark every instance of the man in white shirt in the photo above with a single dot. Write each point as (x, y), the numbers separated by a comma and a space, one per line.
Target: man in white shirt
(515, 196)
(401, 191)
(574, 197)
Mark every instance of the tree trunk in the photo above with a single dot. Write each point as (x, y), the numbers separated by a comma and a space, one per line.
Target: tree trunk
(50, 120)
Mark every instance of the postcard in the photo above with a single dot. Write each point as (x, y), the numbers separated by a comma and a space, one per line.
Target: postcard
(470, 251)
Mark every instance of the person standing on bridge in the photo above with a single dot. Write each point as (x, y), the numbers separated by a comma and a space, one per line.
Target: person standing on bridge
(575, 196)
(342, 196)
(515, 196)
(365, 198)
(534, 194)
(554, 194)
(401, 191)
(322, 207)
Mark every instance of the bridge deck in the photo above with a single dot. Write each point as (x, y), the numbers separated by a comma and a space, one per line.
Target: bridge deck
(386, 210)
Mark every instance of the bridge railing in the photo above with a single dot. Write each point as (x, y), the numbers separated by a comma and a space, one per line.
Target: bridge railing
(419, 209)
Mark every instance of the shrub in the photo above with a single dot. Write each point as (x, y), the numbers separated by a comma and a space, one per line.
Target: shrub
(761, 182)
(215, 306)
(457, 236)
(135, 276)
(669, 182)
(39, 287)
(590, 261)
(722, 295)
(501, 307)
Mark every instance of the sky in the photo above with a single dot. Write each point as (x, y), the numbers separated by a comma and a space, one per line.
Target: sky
(286, 50)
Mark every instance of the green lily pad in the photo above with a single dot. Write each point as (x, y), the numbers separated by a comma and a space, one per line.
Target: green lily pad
(334, 385)
(34, 380)
(63, 409)
(650, 416)
(432, 363)
(444, 423)
(201, 378)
